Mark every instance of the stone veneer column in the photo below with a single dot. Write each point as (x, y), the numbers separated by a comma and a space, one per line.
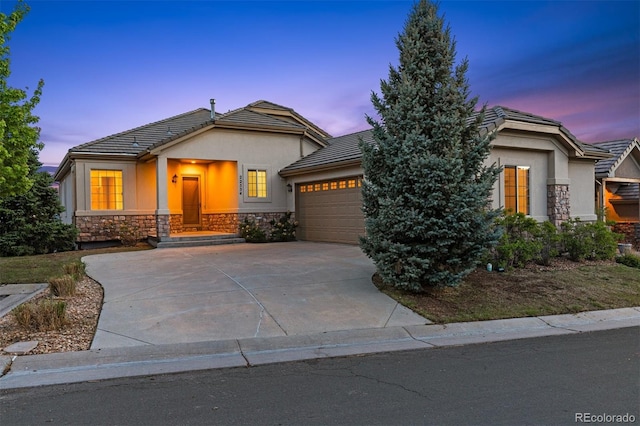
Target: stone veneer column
(558, 208)
(163, 226)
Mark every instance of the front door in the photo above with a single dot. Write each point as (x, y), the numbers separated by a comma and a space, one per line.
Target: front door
(190, 201)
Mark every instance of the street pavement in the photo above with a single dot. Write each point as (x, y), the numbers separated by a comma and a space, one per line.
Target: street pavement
(176, 310)
(552, 380)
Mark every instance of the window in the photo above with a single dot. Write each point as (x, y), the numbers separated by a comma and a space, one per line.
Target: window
(106, 190)
(516, 189)
(257, 183)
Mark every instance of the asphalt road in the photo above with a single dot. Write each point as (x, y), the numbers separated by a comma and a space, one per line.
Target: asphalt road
(546, 380)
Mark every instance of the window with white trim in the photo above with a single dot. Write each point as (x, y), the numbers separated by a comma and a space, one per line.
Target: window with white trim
(516, 189)
(256, 183)
(106, 190)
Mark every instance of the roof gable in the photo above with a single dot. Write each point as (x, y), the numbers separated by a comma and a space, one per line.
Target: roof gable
(345, 150)
(621, 149)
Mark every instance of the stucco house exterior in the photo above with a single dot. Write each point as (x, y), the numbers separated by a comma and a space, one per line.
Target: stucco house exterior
(196, 171)
(547, 174)
(203, 171)
(618, 186)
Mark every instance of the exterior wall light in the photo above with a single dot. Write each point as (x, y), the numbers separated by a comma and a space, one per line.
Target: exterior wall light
(174, 179)
(289, 188)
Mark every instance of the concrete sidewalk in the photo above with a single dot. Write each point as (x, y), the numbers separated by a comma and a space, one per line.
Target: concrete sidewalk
(102, 364)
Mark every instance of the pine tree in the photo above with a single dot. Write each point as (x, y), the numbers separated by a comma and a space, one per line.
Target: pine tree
(30, 222)
(426, 189)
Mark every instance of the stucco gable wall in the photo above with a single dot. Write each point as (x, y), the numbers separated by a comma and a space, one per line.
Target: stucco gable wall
(248, 149)
(629, 168)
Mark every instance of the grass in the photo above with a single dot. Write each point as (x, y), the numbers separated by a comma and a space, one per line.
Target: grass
(561, 289)
(40, 268)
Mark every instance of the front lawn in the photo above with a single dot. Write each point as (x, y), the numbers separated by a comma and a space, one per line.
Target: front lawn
(565, 287)
(39, 268)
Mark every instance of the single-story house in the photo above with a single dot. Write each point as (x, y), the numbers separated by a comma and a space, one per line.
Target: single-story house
(207, 171)
(196, 171)
(618, 186)
(547, 174)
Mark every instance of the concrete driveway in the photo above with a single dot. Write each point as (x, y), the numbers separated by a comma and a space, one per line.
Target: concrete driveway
(238, 291)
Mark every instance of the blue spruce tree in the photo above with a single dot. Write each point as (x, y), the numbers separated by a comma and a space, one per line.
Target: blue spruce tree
(427, 189)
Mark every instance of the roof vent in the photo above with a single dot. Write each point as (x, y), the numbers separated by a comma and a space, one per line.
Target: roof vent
(169, 132)
(213, 109)
(135, 142)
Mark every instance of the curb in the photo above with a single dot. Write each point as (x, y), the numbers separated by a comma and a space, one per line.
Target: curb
(111, 363)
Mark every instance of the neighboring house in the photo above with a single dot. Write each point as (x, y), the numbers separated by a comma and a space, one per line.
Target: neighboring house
(618, 186)
(193, 172)
(547, 174)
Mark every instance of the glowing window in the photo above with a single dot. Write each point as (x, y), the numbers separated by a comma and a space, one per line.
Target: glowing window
(351, 183)
(334, 185)
(303, 188)
(342, 184)
(106, 190)
(257, 183)
(516, 189)
(325, 186)
(316, 187)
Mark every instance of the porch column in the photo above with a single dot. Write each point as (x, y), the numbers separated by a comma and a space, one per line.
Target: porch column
(558, 207)
(162, 210)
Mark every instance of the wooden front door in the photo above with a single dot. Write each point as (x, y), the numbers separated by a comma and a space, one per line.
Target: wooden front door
(190, 201)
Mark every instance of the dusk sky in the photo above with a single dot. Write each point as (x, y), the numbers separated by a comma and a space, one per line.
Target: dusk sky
(109, 66)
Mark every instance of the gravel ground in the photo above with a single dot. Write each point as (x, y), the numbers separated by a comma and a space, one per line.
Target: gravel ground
(83, 311)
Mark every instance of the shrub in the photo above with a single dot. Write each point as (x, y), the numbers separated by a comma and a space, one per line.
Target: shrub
(250, 231)
(519, 242)
(629, 259)
(43, 315)
(283, 229)
(550, 241)
(586, 240)
(63, 286)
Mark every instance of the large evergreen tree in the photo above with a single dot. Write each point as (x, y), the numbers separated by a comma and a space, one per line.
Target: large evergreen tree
(426, 189)
(18, 134)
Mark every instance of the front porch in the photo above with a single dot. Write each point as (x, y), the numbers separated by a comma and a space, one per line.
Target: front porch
(194, 239)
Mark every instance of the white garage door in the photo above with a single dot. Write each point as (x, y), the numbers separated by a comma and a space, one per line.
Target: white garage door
(330, 210)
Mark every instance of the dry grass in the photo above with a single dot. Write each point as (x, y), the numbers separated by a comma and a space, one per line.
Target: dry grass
(562, 288)
(63, 286)
(42, 315)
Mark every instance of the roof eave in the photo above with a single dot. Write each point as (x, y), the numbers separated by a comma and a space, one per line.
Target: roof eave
(321, 167)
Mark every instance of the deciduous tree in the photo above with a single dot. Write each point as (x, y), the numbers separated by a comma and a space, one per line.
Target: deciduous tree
(18, 133)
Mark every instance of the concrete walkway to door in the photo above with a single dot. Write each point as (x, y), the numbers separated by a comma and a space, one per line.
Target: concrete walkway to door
(238, 291)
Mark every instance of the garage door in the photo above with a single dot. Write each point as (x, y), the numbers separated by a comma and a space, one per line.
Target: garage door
(330, 210)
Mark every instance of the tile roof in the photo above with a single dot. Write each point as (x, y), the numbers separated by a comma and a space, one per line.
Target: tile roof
(341, 149)
(345, 148)
(133, 142)
(620, 149)
(136, 141)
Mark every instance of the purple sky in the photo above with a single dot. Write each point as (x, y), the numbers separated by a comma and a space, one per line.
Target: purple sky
(110, 66)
